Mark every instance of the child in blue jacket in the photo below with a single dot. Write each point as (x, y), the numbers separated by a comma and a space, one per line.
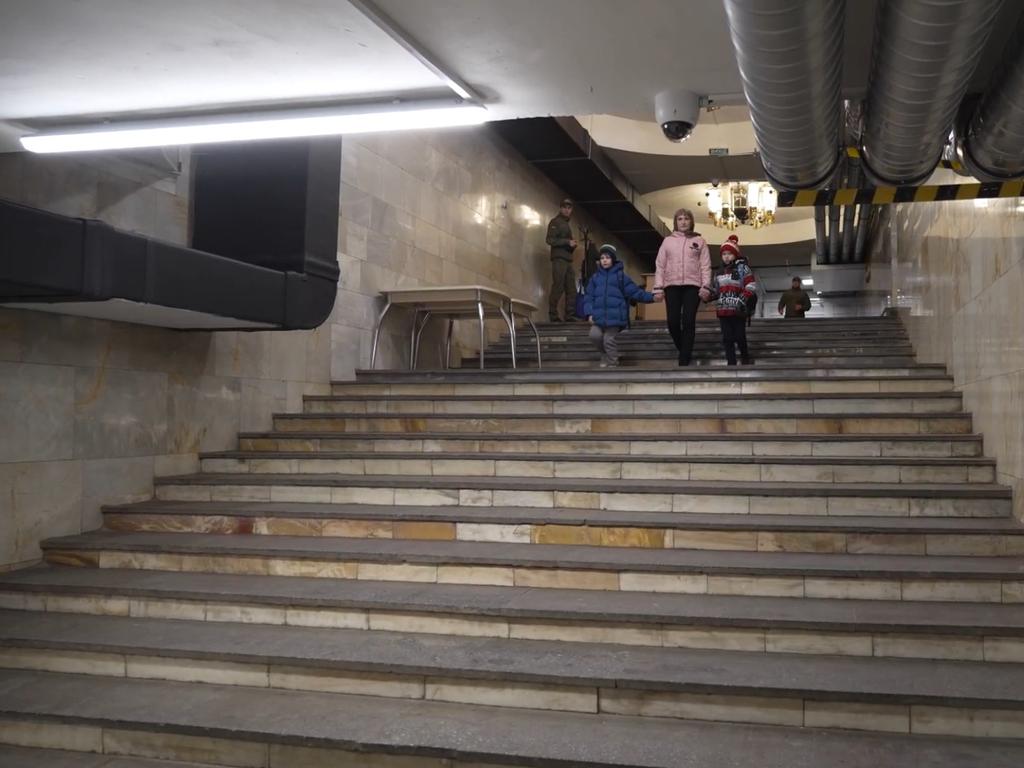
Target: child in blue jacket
(606, 305)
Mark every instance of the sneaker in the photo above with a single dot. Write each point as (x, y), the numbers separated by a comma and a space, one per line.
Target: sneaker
(603, 364)
(613, 363)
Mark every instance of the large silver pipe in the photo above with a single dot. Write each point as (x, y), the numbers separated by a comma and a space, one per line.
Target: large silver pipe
(820, 238)
(833, 234)
(849, 211)
(992, 148)
(864, 212)
(790, 54)
(925, 52)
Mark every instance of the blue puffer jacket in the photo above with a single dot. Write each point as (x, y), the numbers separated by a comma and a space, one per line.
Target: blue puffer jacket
(608, 295)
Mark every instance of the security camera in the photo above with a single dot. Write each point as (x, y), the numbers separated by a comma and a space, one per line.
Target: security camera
(677, 112)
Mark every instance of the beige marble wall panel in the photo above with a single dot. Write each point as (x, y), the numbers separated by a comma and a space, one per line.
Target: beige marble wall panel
(958, 275)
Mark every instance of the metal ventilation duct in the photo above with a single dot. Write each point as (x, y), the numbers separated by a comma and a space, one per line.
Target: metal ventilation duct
(992, 148)
(925, 52)
(789, 54)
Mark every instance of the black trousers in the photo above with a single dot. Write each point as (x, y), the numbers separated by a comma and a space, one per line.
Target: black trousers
(681, 302)
(734, 334)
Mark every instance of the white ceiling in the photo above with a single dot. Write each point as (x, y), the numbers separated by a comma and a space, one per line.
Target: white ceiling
(60, 58)
(527, 57)
(576, 57)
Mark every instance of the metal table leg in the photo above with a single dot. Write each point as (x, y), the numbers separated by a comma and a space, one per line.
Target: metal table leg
(418, 337)
(483, 336)
(376, 333)
(536, 338)
(507, 316)
(448, 344)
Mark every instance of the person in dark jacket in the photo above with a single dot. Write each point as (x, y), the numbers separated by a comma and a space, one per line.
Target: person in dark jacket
(563, 277)
(795, 302)
(606, 304)
(734, 289)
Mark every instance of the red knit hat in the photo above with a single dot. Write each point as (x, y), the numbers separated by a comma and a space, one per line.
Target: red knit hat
(731, 244)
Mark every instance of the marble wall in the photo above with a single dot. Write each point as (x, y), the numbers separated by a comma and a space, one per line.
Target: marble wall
(447, 208)
(958, 276)
(92, 410)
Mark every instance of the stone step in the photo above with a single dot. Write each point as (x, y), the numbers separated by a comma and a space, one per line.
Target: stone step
(595, 527)
(788, 498)
(908, 629)
(963, 445)
(26, 757)
(610, 467)
(888, 695)
(875, 357)
(796, 372)
(638, 570)
(713, 329)
(174, 719)
(711, 348)
(630, 405)
(818, 424)
(493, 386)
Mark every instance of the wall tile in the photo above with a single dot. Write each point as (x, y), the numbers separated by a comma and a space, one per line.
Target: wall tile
(37, 412)
(119, 413)
(203, 414)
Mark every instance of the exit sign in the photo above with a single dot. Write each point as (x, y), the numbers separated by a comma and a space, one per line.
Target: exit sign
(718, 151)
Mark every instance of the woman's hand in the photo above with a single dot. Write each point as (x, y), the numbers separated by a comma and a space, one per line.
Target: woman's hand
(659, 296)
(705, 295)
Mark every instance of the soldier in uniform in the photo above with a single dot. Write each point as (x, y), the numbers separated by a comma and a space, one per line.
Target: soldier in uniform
(563, 276)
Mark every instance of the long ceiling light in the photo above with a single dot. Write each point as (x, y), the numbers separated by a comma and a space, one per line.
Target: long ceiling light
(254, 126)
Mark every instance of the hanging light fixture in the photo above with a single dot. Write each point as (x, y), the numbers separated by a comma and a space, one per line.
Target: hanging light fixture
(741, 202)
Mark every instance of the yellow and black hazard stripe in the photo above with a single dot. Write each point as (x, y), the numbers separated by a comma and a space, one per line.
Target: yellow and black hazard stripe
(927, 193)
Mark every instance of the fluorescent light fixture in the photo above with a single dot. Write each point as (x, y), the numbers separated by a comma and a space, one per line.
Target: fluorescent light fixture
(320, 121)
(808, 281)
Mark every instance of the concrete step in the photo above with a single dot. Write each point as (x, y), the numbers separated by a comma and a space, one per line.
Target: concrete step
(799, 372)
(594, 527)
(595, 422)
(630, 405)
(874, 357)
(26, 757)
(624, 569)
(866, 694)
(320, 729)
(905, 629)
(495, 386)
(787, 498)
(610, 467)
(887, 445)
(711, 348)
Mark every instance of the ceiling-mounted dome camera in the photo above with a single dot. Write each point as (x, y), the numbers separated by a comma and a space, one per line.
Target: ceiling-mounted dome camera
(677, 112)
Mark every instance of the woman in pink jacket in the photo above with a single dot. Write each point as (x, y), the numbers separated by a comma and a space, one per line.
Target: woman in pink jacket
(683, 272)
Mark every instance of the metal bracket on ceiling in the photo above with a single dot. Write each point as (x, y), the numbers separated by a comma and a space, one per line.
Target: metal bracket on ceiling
(391, 28)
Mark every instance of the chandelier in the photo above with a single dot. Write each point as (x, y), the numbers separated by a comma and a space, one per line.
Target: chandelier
(741, 202)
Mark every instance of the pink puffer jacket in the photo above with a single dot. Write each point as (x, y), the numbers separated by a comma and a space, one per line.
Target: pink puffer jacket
(683, 259)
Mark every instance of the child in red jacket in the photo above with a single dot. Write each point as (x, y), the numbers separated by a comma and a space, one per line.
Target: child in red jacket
(734, 287)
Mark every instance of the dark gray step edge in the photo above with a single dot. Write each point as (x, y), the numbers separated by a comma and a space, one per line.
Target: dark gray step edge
(733, 673)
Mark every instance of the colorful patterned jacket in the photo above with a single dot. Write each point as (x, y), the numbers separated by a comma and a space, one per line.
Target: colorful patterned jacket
(734, 287)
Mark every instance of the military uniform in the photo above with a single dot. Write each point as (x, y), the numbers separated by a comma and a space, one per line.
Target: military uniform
(563, 276)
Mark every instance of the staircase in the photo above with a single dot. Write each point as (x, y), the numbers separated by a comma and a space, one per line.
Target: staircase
(806, 562)
(809, 344)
